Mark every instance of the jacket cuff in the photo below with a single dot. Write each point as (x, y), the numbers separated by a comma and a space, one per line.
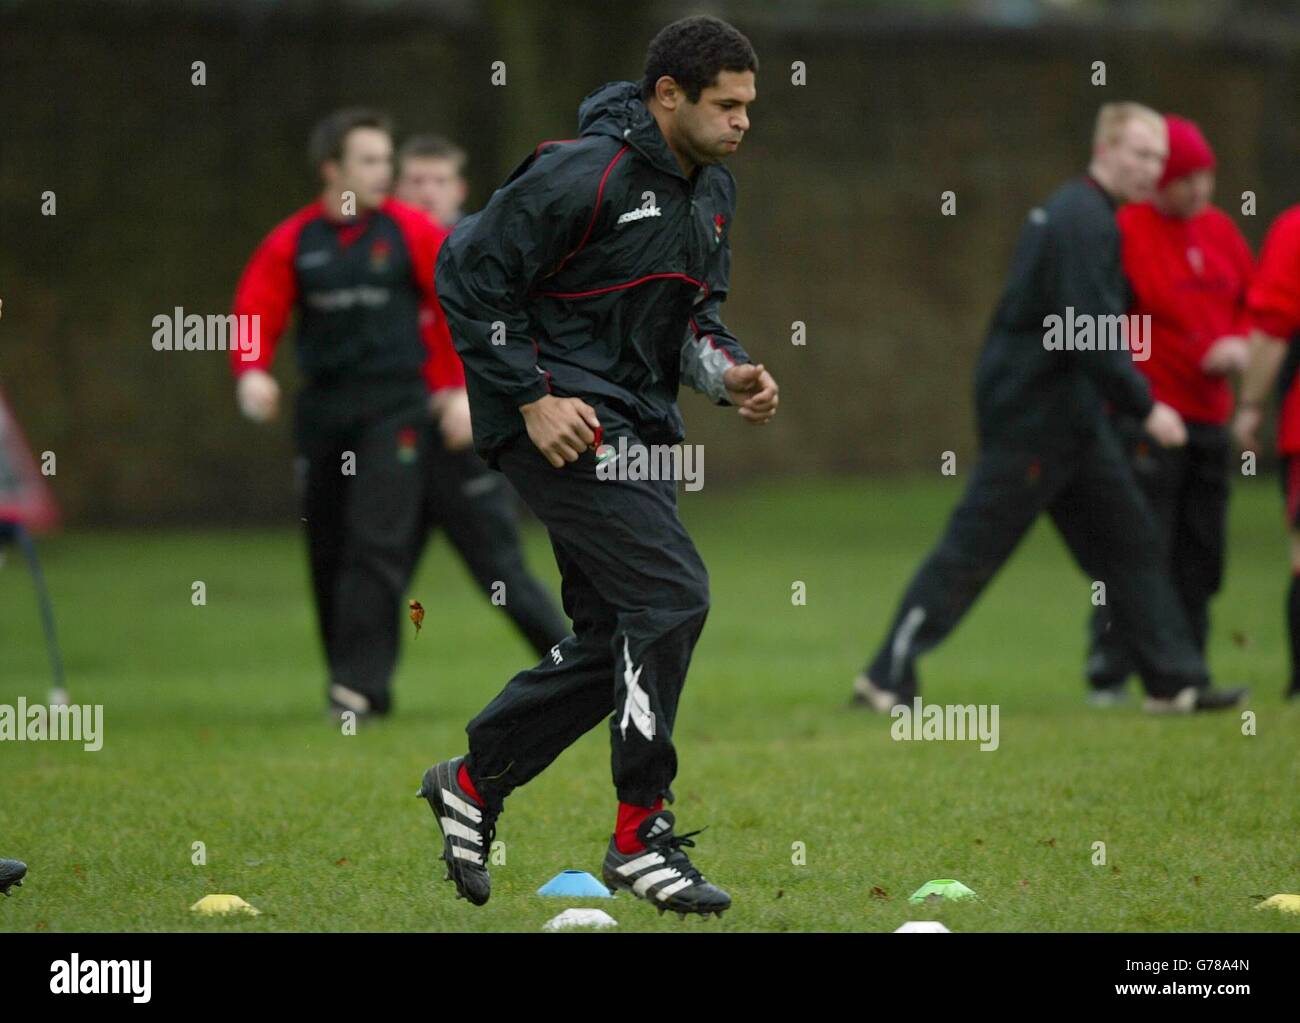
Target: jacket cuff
(723, 398)
(530, 394)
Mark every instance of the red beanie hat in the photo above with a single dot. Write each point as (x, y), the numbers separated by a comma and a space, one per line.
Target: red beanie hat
(1188, 150)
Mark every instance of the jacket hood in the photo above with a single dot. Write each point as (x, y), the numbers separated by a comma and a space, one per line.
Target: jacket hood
(616, 109)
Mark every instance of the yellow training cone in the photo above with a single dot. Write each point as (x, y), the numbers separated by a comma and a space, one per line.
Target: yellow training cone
(210, 905)
(1286, 903)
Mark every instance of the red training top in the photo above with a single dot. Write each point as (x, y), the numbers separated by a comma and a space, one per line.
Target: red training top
(1274, 304)
(365, 294)
(1191, 277)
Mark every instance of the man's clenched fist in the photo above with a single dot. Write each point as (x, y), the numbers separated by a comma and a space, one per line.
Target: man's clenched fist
(561, 428)
(752, 388)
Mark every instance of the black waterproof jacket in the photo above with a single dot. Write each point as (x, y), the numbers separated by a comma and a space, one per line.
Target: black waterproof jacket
(596, 271)
(1030, 396)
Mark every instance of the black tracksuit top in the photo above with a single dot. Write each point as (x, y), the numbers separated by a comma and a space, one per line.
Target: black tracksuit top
(596, 271)
(1027, 396)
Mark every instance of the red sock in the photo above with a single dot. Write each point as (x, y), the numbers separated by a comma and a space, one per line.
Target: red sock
(629, 819)
(462, 779)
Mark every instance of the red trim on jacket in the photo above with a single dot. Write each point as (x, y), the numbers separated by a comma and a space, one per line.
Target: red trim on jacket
(628, 284)
(550, 142)
(600, 192)
(695, 329)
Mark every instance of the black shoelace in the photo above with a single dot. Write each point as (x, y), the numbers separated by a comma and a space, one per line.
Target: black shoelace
(676, 857)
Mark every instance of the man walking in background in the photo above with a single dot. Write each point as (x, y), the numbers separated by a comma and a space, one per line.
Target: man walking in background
(357, 266)
(468, 500)
(1189, 268)
(1045, 444)
(580, 297)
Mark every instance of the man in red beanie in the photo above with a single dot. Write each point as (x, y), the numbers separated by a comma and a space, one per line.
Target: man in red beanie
(1046, 444)
(1274, 305)
(1188, 268)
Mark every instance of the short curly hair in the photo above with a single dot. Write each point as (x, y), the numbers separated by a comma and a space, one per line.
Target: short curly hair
(692, 51)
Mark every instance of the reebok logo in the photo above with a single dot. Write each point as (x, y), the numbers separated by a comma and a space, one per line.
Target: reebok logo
(646, 209)
(639, 214)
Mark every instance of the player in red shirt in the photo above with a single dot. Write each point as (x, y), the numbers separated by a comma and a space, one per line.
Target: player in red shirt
(1274, 303)
(466, 499)
(357, 267)
(1188, 268)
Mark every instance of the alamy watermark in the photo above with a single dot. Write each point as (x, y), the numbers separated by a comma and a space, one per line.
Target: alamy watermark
(77, 976)
(638, 461)
(1088, 333)
(951, 722)
(190, 332)
(83, 723)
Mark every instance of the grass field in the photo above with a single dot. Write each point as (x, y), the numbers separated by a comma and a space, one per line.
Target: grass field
(215, 732)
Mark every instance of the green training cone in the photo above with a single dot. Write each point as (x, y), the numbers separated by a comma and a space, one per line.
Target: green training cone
(946, 888)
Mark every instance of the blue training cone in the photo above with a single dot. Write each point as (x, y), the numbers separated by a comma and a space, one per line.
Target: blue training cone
(571, 883)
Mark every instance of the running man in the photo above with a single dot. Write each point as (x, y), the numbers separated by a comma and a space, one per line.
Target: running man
(1046, 446)
(1189, 269)
(357, 265)
(579, 298)
(464, 497)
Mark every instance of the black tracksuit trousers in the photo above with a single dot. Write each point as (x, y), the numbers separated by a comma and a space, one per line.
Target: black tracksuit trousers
(361, 527)
(1187, 490)
(1094, 501)
(638, 595)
